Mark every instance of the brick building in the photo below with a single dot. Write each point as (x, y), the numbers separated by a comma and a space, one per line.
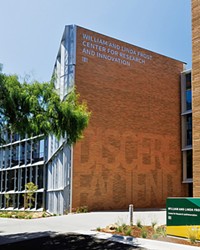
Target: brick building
(131, 151)
(196, 95)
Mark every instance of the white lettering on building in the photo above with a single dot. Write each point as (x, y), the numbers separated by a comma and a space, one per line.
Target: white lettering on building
(104, 49)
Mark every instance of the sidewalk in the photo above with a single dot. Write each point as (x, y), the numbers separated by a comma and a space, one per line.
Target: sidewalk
(74, 222)
(19, 229)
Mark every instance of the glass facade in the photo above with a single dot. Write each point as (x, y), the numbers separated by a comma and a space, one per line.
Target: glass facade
(65, 62)
(44, 161)
(188, 92)
(189, 163)
(188, 130)
(21, 162)
(58, 190)
(186, 104)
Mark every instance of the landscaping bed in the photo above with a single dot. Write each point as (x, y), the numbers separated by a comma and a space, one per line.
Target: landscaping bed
(24, 214)
(148, 232)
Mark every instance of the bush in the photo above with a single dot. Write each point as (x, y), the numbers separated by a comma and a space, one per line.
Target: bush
(128, 231)
(153, 223)
(119, 229)
(144, 232)
(83, 209)
(139, 223)
(161, 231)
(193, 234)
(44, 215)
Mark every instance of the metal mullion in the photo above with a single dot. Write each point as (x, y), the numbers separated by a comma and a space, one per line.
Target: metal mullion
(6, 174)
(36, 198)
(1, 158)
(25, 152)
(15, 171)
(31, 152)
(20, 179)
(31, 174)
(18, 201)
(36, 176)
(9, 156)
(0, 180)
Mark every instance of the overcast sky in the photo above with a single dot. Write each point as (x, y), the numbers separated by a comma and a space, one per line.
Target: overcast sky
(31, 30)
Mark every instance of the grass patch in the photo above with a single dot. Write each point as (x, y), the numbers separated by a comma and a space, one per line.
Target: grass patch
(144, 233)
(128, 231)
(23, 214)
(139, 223)
(193, 234)
(82, 209)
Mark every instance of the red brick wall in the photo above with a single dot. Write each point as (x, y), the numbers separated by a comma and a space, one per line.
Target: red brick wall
(131, 150)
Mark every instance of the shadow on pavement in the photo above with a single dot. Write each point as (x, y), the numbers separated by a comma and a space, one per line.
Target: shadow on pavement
(13, 238)
(62, 242)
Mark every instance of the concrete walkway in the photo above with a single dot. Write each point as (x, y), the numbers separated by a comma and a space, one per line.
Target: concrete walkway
(19, 229)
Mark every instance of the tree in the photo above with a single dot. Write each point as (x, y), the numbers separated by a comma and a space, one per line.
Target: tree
(7, 197)
(29, 198)
(36, 108)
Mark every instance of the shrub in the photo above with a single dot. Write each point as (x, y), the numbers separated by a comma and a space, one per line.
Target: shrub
(44, 214)
(28, 217)
(153, 223)
(139, 223)
(119, 229)
(82, 209)
(161, 231)
(155, 236)
(144, 232)
(193, 234)
(124, 226)
(128, 231)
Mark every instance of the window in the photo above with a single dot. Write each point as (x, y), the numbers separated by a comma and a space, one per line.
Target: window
(28, 175)
(15, 155)
(189, 163)
(28, 152)
(40, 177)
(188, 92)
(21, 201)
(39, 203)
(187, 166)
(3, 176)
(34, 174)
(186, 104)
(10, 180)
(8, 156)
(3, 158)
(23, 170)
(22, 153)
(1, 201)
(16, 170)
(189, 129)
(38, 150)
(12, 201)
(15, 137)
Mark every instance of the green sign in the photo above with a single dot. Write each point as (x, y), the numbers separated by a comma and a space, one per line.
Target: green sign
(183, 211)
(182, 214)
